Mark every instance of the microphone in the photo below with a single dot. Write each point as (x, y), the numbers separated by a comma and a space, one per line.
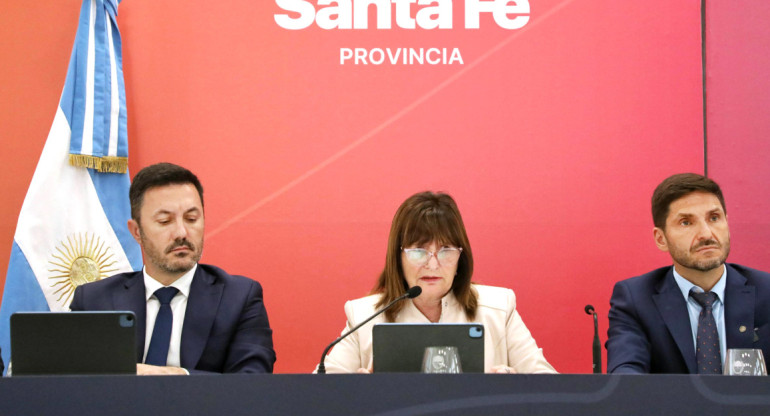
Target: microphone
(597, 347)
(412, 293)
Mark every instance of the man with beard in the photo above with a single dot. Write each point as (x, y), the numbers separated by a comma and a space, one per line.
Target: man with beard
(682, 319)
(190, 317)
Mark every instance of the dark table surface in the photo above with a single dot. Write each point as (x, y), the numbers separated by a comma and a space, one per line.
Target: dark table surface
(385, 394)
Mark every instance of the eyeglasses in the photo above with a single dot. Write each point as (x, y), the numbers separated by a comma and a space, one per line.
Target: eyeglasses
(447, 256)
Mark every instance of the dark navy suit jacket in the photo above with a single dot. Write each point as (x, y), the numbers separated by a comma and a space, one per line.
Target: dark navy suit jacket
(650, 328)
(225, 328)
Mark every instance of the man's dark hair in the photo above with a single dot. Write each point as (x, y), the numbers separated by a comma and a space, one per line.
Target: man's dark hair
(678, 186)
(160, 174)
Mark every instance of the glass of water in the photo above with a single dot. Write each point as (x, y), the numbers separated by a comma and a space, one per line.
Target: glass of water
(441, 360)
(744, 362)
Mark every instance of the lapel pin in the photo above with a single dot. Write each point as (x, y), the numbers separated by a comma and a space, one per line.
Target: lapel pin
(742, 328)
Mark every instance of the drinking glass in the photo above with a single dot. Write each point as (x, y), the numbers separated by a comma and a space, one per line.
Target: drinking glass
(744, 362)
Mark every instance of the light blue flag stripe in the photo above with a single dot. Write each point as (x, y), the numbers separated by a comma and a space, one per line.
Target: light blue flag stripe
(73, 100)
(26, 295)
(21, 293)
(102, 91)
(122, 147)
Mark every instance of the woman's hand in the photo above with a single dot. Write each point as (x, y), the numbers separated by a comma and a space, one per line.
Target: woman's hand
(502, 369)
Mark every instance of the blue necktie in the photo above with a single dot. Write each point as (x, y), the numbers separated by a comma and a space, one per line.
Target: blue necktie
(707, 354)
(161, 333)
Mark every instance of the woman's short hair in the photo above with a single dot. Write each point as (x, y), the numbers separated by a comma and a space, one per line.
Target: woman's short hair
(423, 218)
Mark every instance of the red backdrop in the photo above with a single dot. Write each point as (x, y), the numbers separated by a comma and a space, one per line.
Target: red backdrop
(550, 137)
(738, 93)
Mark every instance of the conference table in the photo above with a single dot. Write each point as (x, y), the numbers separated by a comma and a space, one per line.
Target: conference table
(386, 394)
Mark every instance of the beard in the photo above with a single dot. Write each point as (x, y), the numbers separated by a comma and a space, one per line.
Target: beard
(174, 263)
(687, 257)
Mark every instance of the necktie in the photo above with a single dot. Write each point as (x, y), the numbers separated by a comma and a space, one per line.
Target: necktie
(161, 333)
(707, 354)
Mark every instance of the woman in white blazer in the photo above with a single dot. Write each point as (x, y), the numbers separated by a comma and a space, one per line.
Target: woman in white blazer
(428, 247)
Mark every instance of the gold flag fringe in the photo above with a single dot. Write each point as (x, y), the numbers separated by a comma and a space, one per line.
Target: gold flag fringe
(86, 161)
(114, 164)
(110, 164)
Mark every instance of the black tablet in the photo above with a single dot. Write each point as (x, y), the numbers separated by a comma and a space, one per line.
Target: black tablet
(55, 343)
(400, 347)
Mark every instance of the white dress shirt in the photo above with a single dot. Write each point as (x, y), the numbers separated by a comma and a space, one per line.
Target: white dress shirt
(178, 308)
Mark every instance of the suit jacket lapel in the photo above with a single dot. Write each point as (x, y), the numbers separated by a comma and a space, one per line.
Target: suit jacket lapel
(202, 305)
(673, 309)
(739, 310)
(132, 298)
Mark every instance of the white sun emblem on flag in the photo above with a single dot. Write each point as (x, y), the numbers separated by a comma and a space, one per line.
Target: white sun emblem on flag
(80, 259)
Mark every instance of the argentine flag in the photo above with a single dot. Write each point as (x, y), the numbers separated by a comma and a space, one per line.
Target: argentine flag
(72, 225)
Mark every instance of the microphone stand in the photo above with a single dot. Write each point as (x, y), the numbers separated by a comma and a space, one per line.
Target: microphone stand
(413, 292)
(597, 346)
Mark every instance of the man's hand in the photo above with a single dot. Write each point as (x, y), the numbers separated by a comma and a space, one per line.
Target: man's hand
(154, 370)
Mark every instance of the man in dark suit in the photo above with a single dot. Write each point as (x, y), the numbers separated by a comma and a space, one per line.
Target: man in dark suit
(190, 317)
(682, 319)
